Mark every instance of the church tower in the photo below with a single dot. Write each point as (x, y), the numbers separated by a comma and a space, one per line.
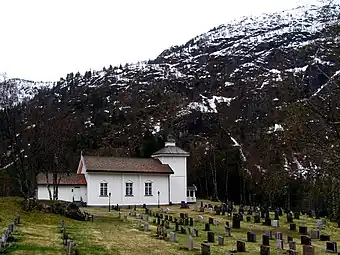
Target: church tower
(176, 158)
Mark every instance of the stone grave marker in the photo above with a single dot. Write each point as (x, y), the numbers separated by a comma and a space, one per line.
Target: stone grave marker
(211, 237)
(269, 233)
(324, 237)
(207, 227)
(220, 240)
(303, 230)
(320, 224)
(176, 227)
(205, 249)
(279, 244)
(297, 215)
(315, 234)
(267, 222)
(211, 220)
(236, 222)
(308, 250)
(305, 240)
(166, 224)
(170, 218)
(264, 250)
(275, 223)
(265, 240)
(146, 226)
(172, 236)
(292, 227)
(227, 231)
(240, 246)
(289, 239)
(251, 237)
(195, 232)
(292, 246)
(279, 236)
(331, 247)
(276, 215)
(190, 243)
(191, 221)
(227, 224)
(290, 218)
(248, 218)
(183, 230)
(257, 219)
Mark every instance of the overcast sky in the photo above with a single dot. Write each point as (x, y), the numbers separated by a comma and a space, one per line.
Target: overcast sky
(45, 39)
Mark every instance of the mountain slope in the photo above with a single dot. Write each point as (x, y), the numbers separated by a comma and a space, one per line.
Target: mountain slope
(228, 90)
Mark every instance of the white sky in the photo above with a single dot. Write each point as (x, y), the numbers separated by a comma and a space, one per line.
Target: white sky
(45, 39)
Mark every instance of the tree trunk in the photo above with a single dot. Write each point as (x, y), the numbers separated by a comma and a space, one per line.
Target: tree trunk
(226, 185)
(214, 178)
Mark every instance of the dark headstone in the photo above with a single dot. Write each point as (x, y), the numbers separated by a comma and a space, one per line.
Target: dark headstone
(251, 237)
(240, 246)
(265, 250)
(267, 222)
(324, 237)
(191, 221)
(236, 222)
(290, 218)
(183, 230)
(211, 237)
(265, 240)
(289, 239)
(303, 230)
(292, 227)
(205, 249)
(207, 227)
(331, 247)
(296, 215)
(211, 220)
(308, 250)
(186, 221)
(176, 226)
(257, 219)
(305, 240)
(248, 218)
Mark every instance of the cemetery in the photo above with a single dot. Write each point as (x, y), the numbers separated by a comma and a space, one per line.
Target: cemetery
(200, 228)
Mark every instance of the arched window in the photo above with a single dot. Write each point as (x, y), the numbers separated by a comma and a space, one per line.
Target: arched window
(148, 188)
(129, 189)
(103, 189)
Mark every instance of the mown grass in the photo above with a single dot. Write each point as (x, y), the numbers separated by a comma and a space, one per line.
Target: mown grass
(107, 235)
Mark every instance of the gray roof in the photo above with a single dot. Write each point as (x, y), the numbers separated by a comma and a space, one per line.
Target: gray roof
(170, 151)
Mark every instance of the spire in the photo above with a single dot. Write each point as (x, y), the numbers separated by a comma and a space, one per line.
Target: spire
(170, 141)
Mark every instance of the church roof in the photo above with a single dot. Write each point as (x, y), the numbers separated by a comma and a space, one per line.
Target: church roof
(66, 179)
(171, 150)
(126, 165)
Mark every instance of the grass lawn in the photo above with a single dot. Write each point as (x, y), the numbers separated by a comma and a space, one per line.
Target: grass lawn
(39, 233)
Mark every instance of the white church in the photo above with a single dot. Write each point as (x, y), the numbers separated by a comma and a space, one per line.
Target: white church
(161, 179)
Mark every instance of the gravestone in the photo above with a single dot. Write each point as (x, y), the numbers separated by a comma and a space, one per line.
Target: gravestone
(320, 224)
(207, 227)
(257, 219)
(292, 245)
(251, 237)
(289, 239)
(303, 230)
(305, 240)
(205, 249)
(324, 237)
(293, 252)
(296, 215)
(220, 240)
(267, 222)
(248, 218)
(279, 244)
(176, 227)
(331, 247)
(211, 237)
(240, 246)
(186, 222)
(183, 230)
(191, 221)
(146, 226)
(227, 224)
(276, 215)
(279, 236)
(170, 218)
(265, 250)
(167, 224)
(211, 220)
(190, 243)
(275, 223)
(292, 227)
(269, 233)
(290, 218)
(265, 240)
(172, 236)
(195, 232)
(236, 221)
(227, 231)
(308, 250)
(314, 234)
